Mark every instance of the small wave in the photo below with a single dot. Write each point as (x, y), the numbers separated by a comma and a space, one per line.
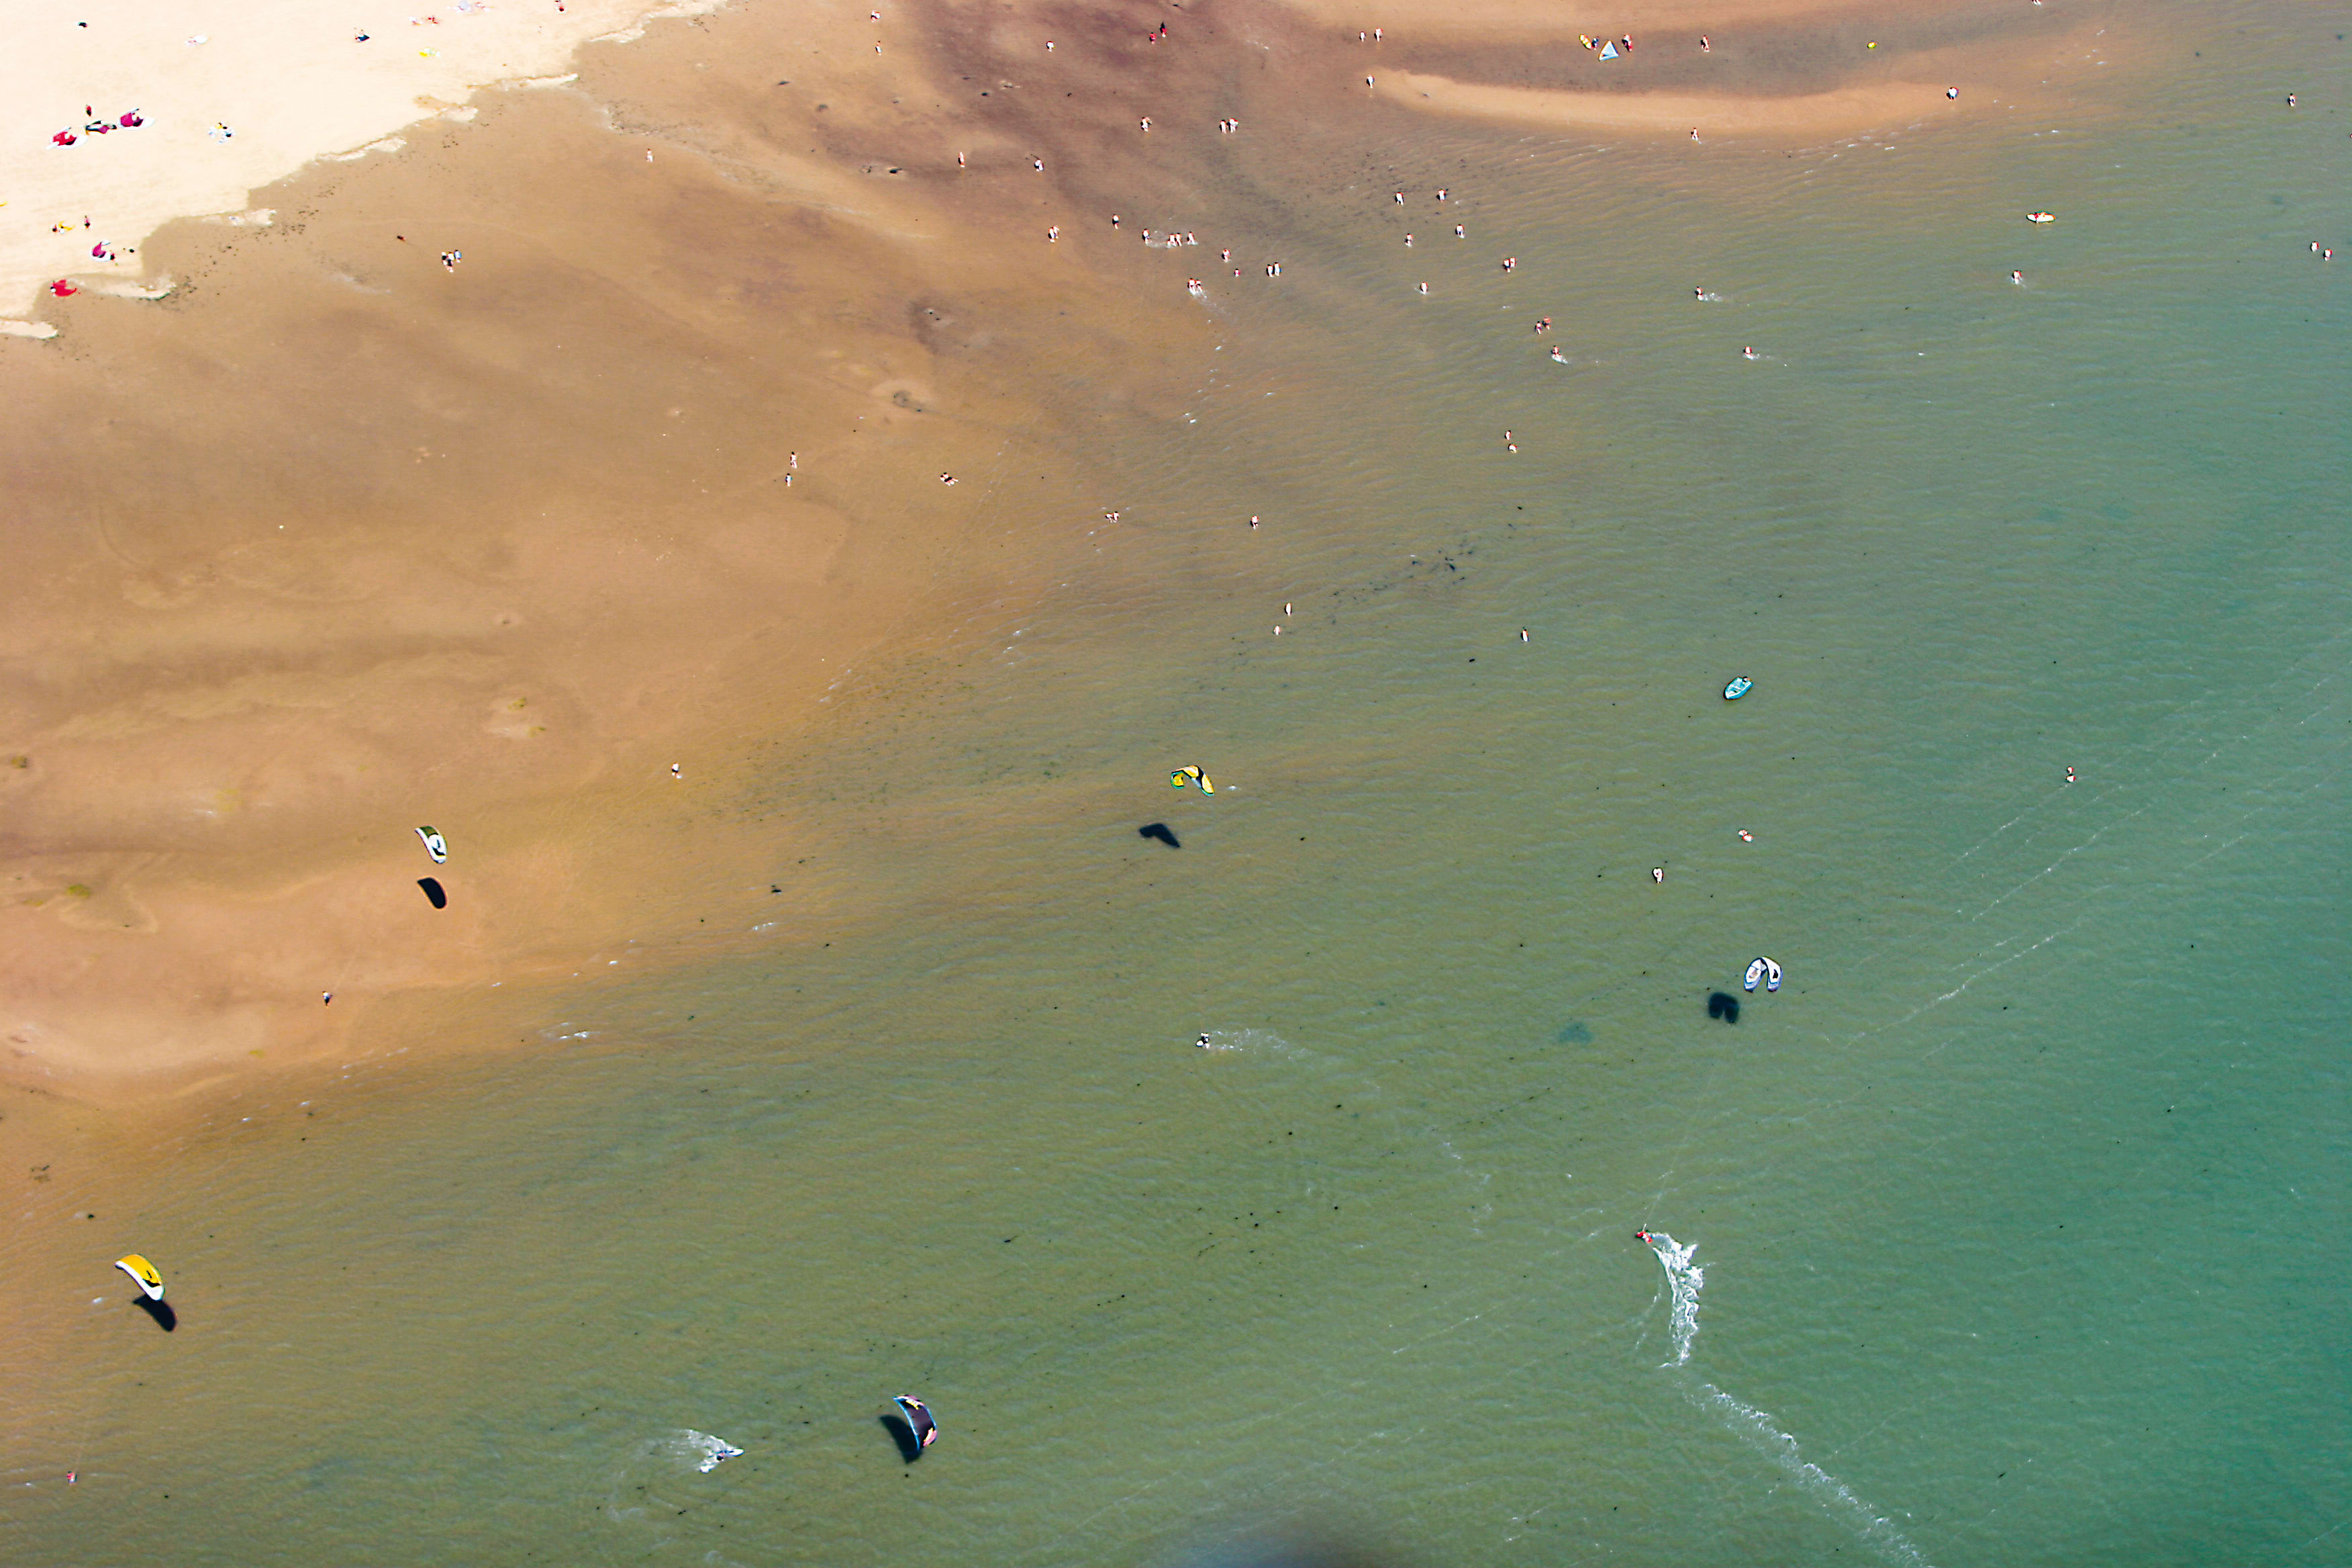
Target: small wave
(1759, 1429)
(698, 1450)
(1240, 1040)
(1686, 1277)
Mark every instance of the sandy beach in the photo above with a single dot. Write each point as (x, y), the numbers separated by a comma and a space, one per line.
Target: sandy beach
(118, 118)
(595, 427)
(778, 500)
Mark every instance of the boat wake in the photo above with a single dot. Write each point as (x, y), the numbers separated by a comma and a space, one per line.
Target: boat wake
(1684, 1278)
(1756, 1428)
(1241, 1040)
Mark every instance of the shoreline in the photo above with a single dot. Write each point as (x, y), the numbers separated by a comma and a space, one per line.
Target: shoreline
(216, 118)
(338, 540)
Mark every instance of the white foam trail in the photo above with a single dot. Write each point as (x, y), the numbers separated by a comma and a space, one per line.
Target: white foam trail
(700, 1450)
(1686, 1277)
(1241, 1040)
(1756, 1427)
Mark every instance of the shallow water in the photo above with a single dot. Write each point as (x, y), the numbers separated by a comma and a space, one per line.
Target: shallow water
(2020, 1205)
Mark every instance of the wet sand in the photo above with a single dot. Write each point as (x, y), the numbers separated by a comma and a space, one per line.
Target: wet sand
(337, 540)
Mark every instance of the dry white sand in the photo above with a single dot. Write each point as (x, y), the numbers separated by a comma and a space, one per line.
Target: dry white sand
(233, 95)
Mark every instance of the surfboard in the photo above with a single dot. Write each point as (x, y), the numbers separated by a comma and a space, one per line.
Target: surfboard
(1738, 689)
(142, 1274)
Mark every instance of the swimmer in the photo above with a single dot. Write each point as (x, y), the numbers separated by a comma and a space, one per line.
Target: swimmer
(1951, 92)
(676, 772)
(1441, 192)
(1556, 356)
(1694, 133)
(1698, 291)
(1523, 634)
(1408, 239)
(2069, 776)
(1657, 873)
(1400, 196)
(2290, 101)
(1510, 262)
(1704, 47)
(1746, 836)
(1424, 288)
(1748, 353)
(1053, 234)
(2017, 278)
(1203, 1042)
(1544, 325)
(1458, 234)
(1253, 519)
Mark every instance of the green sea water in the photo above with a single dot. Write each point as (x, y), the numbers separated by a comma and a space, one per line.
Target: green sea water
(2016, 1214)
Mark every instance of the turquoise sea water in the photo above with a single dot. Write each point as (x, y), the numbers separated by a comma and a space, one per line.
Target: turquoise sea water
(2019, 1208)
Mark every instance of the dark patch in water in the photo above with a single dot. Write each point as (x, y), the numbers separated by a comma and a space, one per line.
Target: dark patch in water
(433, 891)
(1723, 1005)
(911, 1448)
(1573, 1034)
(1160, 831)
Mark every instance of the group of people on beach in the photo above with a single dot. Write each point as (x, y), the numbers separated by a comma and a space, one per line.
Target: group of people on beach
(92, 126)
